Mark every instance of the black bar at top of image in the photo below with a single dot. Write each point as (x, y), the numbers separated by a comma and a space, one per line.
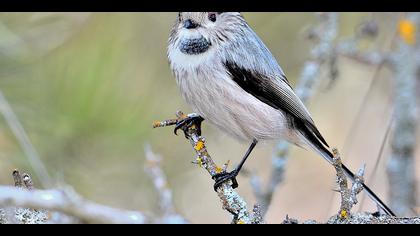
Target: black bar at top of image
(213, 5)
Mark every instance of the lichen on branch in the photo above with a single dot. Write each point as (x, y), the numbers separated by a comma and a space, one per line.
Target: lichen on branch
(230, 199)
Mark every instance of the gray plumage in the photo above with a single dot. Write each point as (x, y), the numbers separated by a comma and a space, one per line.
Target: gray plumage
(229, 77)
(207, 86)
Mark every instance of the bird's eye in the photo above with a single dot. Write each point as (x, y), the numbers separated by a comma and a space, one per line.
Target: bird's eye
(212, 16)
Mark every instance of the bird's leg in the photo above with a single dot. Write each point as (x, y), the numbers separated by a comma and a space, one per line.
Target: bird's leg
(224, 176)
(191, 119)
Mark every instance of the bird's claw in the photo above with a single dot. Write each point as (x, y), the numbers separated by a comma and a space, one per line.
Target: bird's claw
(187, 122)
(224, 176)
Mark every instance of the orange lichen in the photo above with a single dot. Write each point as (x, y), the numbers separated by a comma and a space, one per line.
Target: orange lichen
(156, 124)
(407, 31)
(199, 145)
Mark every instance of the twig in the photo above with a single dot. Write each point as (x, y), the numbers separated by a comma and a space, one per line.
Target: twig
(160, 182)
(16, 215)
(32, 205)
(24, 141)
(231, 201)
(349, 49)
(70, 203)
(348, 195)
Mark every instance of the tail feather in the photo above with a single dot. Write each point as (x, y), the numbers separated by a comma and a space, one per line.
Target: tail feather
(328, 156)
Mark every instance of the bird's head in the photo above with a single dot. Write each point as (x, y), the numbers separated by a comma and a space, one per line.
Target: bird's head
(196, 32)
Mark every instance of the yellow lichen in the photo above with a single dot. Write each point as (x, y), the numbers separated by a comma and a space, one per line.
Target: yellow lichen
(156, 124)
(407, 31)
(199, 145)
(241, 222)
(219, 169)
(199, 161)
(343, 214)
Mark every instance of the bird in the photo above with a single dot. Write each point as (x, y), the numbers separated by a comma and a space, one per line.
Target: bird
(231, 79)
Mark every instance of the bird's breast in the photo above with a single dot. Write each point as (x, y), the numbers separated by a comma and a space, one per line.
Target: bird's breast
(213, 94)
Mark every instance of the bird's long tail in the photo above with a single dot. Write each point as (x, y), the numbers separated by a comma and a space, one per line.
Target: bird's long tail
(327, 155)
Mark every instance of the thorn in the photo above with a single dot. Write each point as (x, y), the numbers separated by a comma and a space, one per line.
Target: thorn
(198, 161)
(225, 166)
(361, 171)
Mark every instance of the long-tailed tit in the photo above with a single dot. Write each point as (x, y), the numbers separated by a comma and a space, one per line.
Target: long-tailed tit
(230, 79)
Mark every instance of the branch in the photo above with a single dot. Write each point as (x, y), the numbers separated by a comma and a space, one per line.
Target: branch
(231, 201)
(76, 209)
(153, 169)
(65, 201)
(70, 203)
(401, 166)
(349, 199)
(348, 196)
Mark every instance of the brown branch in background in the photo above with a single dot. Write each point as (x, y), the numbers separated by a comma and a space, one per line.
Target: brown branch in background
(231, 201)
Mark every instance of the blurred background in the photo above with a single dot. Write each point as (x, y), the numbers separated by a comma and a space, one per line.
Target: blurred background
(86, 88)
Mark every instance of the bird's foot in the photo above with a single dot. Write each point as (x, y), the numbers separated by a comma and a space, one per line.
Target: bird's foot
(224, 176)
(189, 121)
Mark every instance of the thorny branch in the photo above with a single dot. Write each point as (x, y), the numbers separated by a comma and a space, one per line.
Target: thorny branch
(231, 201)
(349, 199)
(348, 195)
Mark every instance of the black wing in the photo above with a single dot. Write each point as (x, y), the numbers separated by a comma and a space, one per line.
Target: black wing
(268, 90)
